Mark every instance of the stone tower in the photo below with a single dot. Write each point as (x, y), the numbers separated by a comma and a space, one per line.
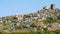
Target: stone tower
(53, 7)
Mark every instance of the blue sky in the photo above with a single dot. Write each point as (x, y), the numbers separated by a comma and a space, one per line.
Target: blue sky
(10, 7)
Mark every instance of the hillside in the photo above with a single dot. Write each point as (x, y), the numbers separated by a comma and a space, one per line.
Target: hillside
(47, 18)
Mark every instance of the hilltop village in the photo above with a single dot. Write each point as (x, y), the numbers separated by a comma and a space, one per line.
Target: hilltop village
(47, 18)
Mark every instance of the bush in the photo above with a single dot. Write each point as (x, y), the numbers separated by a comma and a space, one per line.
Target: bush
(47, 32)
(57, 32)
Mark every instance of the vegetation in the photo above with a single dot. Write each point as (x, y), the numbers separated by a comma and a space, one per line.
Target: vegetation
(32, 32)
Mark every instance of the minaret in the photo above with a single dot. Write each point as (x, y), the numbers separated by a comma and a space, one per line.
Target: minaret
(18, 16)
(17, 13)
(53, 7)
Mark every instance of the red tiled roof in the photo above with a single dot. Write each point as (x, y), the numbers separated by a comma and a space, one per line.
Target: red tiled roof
(40, 24)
